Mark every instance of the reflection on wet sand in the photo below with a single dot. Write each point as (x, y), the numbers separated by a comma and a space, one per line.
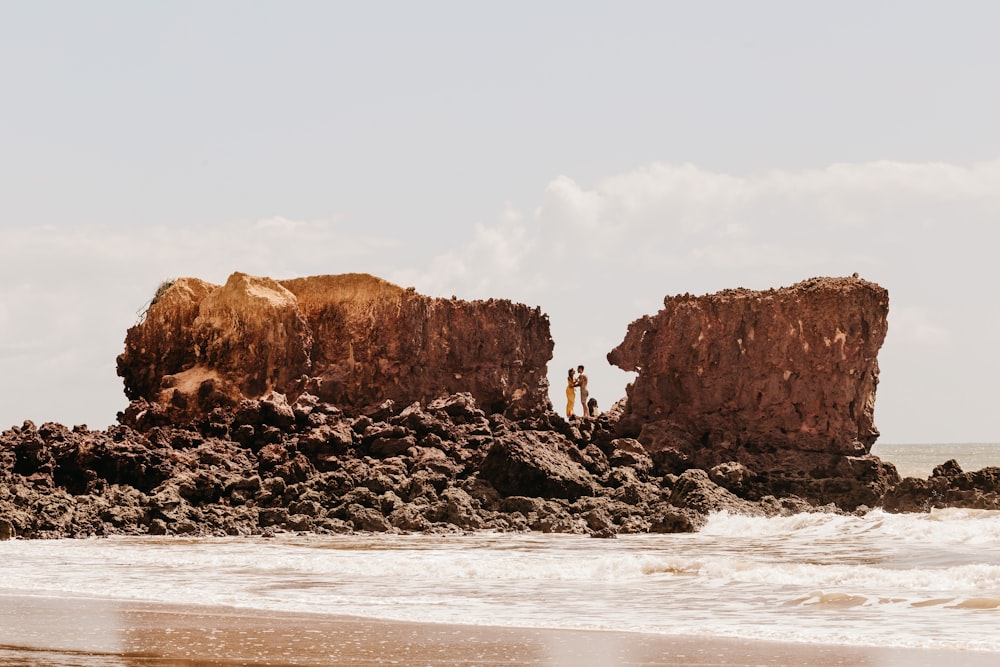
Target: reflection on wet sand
(77, 632)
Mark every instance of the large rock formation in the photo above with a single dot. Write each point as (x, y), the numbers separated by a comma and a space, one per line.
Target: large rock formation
(780, 382)
(747, 402)
(352, 340)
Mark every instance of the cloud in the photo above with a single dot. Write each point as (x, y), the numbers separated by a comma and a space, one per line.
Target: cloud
(595, 258)
(483, 265)
(663, 218)
(49, 254)
(917, 326)
(284, 224)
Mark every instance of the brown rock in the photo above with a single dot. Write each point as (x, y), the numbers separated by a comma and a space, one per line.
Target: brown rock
(367, 519)
(6, 530)
(695, 491)
(631, 453)
(152, 346)
(949, 486)
(539, 464)
(676, 521)
(782, 381)
(732, 476)
(351, 340)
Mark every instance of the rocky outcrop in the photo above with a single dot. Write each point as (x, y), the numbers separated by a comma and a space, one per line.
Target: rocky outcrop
(781, 382)
(268, 465)
(344, 403)
(351, 340)
(948, 486)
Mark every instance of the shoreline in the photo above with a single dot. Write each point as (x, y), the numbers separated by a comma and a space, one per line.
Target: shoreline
(79, 631)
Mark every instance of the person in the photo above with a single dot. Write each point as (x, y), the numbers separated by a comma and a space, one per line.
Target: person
(592, 408)
(570, 394)
(581, 382)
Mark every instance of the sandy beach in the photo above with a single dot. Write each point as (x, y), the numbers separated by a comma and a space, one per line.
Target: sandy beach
(37, 631)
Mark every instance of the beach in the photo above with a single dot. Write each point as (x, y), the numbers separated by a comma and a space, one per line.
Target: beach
(67, 631)
(542, 334)
(877, 590)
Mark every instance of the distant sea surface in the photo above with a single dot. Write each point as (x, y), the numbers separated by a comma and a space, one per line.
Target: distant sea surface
(887, 580)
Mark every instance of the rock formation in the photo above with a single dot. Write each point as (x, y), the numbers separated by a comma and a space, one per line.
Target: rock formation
(781, 382)
(344, 403)
(352, 340)
(948, 486)
(269, 466)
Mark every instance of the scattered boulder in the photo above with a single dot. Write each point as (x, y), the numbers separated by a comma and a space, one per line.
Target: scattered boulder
(677, 520)
(733, 476)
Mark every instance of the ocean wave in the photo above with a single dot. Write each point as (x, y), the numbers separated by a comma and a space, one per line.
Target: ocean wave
(856, 579)
(942, 526)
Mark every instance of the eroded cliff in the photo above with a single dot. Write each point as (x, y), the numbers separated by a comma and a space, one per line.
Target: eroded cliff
(353, 340)
(781, 382)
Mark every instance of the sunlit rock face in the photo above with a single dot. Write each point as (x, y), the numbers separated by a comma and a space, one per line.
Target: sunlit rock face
(353, 340)
(781, 381)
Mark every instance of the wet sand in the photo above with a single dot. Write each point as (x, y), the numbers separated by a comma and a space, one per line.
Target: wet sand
(79, 632)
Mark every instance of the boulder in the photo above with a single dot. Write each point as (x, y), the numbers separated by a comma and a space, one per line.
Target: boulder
(677, 521)
(536, 464)
(694, 490)
(948, 486)
(6, 530)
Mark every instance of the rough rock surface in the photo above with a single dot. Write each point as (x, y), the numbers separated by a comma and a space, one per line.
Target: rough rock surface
(781, 382)
(537, 464)
(268, 465)
(352, 340)
(330, 405)
(948, 486)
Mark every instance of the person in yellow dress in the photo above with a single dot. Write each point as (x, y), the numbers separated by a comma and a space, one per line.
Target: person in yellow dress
(570, 393)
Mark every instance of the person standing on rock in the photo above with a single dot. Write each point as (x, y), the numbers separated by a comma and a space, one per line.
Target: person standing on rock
(581, 382)
(570, 394)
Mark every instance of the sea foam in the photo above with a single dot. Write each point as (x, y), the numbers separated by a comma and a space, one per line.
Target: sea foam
(879, 579)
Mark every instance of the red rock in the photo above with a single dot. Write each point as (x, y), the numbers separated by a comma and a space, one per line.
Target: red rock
(537, 463)
(781, 381)
(351, 340)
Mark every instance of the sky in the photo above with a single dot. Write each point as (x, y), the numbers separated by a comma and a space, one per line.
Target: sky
(589, 158)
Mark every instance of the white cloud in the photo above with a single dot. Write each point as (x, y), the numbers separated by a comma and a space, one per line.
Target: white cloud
(816, 217)
(484, 265)
(917, 326)
(588, 256)
(284, 224)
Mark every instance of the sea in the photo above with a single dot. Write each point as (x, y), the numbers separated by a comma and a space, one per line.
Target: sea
(919, 581)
